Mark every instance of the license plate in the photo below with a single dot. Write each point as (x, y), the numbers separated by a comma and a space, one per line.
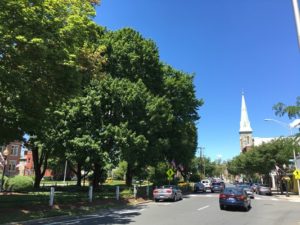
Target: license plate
(231, 199)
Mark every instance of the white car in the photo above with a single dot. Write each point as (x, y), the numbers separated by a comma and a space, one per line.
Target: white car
(207, 184)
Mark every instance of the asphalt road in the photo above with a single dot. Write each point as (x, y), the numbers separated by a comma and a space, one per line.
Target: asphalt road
(198, 209)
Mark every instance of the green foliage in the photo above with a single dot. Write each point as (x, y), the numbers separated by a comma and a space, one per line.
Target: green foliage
(120, 171)
(90, 96)
(19, 183)
(158, 174)
(262, 159)
(133, 57)
(293, 111)
(40, 47)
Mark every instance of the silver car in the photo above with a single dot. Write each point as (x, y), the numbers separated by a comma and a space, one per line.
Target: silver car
(263, 189)
(167, 192)
(247, 188)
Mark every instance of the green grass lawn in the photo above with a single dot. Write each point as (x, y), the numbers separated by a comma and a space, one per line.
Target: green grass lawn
(68, 200)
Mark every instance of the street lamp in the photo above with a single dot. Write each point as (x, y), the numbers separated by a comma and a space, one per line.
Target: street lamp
(290, 126)
(5, 154)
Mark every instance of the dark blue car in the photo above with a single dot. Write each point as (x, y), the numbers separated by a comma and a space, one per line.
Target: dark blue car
(234, 197)
(217, 187)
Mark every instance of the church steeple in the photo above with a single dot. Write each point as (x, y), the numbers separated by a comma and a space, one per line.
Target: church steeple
(246, 140)
(244, 123)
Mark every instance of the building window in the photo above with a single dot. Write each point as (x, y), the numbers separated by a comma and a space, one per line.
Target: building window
(12, 165)
(15, 150)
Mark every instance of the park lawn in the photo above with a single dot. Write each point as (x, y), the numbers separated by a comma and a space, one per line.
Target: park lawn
(68, 200)
(23, 207)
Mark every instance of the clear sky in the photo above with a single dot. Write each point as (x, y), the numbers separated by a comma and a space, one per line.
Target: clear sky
(231, 46)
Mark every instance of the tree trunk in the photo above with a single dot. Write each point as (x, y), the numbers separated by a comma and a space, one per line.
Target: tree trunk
(37, 167)
(78, 175)
(97, 174)
(129, 175)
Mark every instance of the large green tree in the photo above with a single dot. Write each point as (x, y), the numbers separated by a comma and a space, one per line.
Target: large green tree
(262, 159)
(41, 45)
(112, 120)
(179, 90)
(45, 48)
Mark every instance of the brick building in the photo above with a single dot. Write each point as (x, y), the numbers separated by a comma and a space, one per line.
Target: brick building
(13, 158)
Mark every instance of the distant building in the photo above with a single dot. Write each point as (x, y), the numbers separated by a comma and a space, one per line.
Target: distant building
(13, 158)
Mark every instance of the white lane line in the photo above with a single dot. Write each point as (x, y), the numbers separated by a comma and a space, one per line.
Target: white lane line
(204, 207)
(274, 199)
(129, 211)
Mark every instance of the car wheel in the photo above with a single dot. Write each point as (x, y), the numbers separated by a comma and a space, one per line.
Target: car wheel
(222, 207)
(175, 198)
(156, 200)
(246, 208)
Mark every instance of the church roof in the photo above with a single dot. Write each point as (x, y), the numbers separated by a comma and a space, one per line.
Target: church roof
(244, 123)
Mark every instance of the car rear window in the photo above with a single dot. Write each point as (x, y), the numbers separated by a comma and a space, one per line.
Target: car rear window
(216, 183)
(230, 191)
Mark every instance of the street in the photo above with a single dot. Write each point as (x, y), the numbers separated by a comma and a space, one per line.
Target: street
(202, 208)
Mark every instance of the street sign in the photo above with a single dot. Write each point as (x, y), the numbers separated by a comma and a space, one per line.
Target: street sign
(297, 174)
(170, 173)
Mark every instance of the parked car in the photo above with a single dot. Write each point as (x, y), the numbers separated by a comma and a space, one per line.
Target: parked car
(254, 186)
(199, 187)
(247, 188)
(167, 192)
(263, 189)
(217, 187)
(207, 184)
(234, 197)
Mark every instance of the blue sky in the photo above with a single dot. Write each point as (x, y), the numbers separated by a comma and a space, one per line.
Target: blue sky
(231, 46)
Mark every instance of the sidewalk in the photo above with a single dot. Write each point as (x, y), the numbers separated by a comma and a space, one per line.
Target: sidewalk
(292, 196)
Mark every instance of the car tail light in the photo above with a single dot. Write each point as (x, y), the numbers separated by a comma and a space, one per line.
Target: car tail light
(155, 191)
(240, 197)
(169, 191)
(222, 196)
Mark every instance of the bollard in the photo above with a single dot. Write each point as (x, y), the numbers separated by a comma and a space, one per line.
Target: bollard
(51, 196)
(91, 194)
(134, 191)
(117, 192)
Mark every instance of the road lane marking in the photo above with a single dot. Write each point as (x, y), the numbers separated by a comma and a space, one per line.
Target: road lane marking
(204, 207)
(129, 211)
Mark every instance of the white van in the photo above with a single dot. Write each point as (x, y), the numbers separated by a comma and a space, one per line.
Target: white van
(207, 184)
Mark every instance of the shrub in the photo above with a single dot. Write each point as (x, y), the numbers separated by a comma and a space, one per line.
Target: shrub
(19, 183)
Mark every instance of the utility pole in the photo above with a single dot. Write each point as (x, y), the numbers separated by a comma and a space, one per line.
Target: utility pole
(297, 19)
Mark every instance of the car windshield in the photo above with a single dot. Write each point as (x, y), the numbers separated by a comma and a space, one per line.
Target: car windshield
(215, 184)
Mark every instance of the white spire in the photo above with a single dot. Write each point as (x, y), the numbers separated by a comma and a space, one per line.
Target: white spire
(244, 123)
